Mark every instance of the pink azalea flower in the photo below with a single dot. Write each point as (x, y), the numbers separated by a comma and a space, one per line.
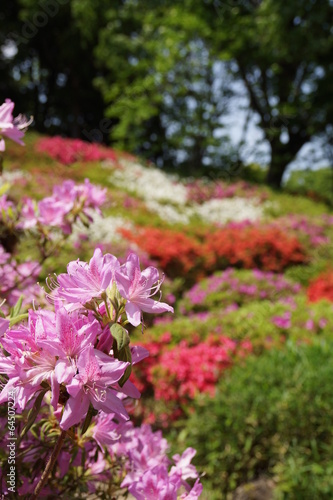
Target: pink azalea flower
(4, 324)
(155, 483)
(194, 493)
(71, 333)
(96, 373)
(184, 466)
(138, 288)
(11, 127)
(52, 212)
(86, 281)
(105, 431)
(28, 217)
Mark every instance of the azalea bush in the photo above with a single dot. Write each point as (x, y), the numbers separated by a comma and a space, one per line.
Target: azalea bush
(268, 249)
(264, 323)
(321, 287)
(312, 231)
(69, 151)
(267, 324)
(65, 365)
(243, 246)
(176, 253)
(234, 287)
(173, 376)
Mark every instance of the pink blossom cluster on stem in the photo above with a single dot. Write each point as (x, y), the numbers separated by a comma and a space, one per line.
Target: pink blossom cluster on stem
(71, 351)
(68, 202)
(10, 127)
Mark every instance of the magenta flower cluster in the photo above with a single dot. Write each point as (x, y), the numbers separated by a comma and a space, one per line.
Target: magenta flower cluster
(71, 351)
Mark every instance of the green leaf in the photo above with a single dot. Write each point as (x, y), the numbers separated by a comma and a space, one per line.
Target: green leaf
(125, 355)
(19, 318)
(32, 415)
(4, 188)
(120, 335)
(87, 421)
(15, 311)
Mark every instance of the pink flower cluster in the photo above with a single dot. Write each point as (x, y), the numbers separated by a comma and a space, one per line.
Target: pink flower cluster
(68, 151)
(147, 465)
(68, 202)
(18, 279)
(230, 287)
(314, 229)
(10, 127)
(143, 467)
(72, 351)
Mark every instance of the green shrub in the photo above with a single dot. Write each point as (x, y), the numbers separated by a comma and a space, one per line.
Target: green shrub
(285, 204)
(236, 287)
(316, 184)
(271, 417)
(320, 259)
(257, 321)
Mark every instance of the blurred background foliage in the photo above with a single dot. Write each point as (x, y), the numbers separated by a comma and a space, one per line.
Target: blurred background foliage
(160, 79)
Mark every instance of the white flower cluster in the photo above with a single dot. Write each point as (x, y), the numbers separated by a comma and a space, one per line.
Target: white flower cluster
(14, 176)
(166, 196)
(170, 213)
(219, 211)
(215, 211)
(102, 229)
(149, 183)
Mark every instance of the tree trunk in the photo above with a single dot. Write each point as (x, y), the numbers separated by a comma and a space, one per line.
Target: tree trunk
(281, 155)
(275, 172)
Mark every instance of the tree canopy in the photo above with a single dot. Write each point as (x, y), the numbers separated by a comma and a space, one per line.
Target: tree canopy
(164, 74)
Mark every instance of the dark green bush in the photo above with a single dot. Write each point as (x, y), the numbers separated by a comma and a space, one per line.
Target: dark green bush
(273, 418)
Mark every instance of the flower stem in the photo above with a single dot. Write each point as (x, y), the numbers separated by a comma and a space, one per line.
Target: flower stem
(49, 466)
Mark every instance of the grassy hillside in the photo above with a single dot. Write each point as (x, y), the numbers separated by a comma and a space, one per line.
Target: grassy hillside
(249, 272)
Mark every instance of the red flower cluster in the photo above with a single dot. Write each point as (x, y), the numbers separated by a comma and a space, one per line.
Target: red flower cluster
(250, 247)
(181, 373)
(175, 252)
(186, 371)
(321, 287)
(68, 151)
(269, 249)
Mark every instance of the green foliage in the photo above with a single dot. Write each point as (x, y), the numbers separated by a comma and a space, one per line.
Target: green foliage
(46, 77)
(321, 259)
(164, 99)
(285, 87)
(256, 322)
(270, 417)
(285, 204)
(164, 74)
(253, 173)
(315, 183)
